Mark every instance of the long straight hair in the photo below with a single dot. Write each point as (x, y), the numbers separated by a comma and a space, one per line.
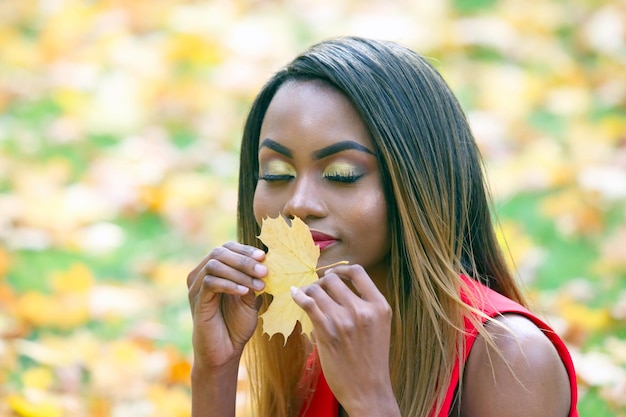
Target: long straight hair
(438, 212)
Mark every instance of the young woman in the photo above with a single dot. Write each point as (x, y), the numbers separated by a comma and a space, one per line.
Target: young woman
(364, 141)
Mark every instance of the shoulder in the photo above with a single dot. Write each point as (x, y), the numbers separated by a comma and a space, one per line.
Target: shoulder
(520, 374)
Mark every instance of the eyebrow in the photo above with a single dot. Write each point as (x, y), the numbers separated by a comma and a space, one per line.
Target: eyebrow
(319, 154)
(340, 146)
(276, 147)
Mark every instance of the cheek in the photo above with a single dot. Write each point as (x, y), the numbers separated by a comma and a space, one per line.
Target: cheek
(258, 207)
(370, 217)
(373, 206)
(264, 206)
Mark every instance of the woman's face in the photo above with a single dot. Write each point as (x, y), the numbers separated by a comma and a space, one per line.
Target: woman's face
(317, 162)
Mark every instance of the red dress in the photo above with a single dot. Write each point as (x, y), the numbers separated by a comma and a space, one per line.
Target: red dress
(322, 402)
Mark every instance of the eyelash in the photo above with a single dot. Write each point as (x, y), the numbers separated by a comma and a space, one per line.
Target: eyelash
(272, 178)
(341, 178)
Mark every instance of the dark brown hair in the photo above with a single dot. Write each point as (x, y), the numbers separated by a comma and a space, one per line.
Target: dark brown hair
(438, 211)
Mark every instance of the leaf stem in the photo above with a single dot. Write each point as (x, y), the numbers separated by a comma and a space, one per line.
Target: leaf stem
(331, 265)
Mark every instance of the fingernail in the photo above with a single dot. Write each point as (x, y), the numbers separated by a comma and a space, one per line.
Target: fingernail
(258, 253)
(293, 290)
(260, 270)
(257, 284)
(242, 290)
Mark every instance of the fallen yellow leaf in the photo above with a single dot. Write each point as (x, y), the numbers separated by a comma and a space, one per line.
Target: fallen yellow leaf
(583, 318)
(39, 377)
(516, 241)
(23, 407)
(291, 262)
(168, 401)
(77, 279)
(5, 262)
(64, 311)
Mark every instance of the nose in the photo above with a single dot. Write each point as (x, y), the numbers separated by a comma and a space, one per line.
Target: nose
(305, 200)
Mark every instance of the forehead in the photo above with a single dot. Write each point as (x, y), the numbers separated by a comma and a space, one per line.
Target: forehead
(314, 107)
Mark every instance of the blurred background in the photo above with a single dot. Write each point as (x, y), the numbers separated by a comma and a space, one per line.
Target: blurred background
(119, 130)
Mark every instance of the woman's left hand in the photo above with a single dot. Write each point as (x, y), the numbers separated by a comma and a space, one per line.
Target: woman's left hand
(352, 331)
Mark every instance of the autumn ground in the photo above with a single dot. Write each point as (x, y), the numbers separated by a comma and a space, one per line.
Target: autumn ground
(119, 123)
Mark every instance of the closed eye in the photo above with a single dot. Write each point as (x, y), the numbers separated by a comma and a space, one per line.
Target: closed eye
(277, 170)
(346, 179)
(342, 173)
(276, 177)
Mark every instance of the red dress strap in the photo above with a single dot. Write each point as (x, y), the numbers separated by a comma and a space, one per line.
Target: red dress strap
(320, 401)
(493, 304)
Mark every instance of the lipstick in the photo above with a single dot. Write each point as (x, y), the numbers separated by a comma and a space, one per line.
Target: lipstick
(322, 240)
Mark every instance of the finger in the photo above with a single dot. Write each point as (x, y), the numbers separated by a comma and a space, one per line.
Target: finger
(220, 269)
(219, 285)
(245, 262)
(246, 250)
(330, 320)
(237, 262)
(191, 277)
(214, 271)
(212, 286)
(337, 288)
(361, 281)
(309, 305)
(236, 248)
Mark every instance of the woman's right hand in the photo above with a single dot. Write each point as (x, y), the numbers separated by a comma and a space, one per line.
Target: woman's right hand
(223, 304)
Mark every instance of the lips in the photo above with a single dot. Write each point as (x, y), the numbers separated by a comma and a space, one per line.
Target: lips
(322, 240)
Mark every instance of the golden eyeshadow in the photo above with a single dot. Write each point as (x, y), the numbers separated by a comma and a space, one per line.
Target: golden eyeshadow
(276, 167)
(340, 169)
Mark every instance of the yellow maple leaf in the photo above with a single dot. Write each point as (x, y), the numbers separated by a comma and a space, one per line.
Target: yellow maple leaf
(291, 262)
